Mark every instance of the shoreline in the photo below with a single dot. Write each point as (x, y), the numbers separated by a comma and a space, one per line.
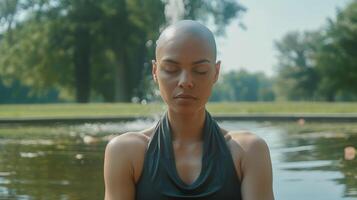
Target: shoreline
(328, 117)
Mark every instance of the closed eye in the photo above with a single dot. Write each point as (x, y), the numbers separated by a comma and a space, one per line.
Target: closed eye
(170, 69)
(201, 69)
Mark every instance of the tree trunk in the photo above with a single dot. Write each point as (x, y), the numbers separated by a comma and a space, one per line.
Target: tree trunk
(121, 81)
(121, 73)
(82, 64)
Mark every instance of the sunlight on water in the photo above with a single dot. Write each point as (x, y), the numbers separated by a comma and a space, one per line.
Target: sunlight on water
(54, 161)
(94, 129)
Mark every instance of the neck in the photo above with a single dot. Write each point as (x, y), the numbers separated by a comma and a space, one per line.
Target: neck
(187, 128)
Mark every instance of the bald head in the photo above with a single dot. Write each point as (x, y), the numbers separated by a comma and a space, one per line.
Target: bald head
(185, 31)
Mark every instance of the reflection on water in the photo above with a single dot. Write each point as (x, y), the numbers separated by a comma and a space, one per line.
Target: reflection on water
(66, 162)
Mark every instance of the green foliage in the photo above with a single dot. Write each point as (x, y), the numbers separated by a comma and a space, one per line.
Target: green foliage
(243, 86)
(297, 78)
(16, 93)
(35, 59)
(90, 48)
(320, 65)
(337, 58)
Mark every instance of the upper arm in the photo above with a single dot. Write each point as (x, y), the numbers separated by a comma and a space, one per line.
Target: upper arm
(118, 170)
(257, 170)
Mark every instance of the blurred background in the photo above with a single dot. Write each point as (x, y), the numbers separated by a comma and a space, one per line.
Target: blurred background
(100, 51)
(76, 73)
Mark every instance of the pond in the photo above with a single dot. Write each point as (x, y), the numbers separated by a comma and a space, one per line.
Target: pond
(66, 161)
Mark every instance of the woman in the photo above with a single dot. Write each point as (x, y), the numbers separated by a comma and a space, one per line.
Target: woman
(187, 155)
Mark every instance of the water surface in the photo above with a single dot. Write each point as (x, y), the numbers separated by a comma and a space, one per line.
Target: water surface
(66, 162)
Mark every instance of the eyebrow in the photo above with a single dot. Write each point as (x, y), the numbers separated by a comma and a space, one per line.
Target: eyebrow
(201, 61)
(171, 61)
(194, 63)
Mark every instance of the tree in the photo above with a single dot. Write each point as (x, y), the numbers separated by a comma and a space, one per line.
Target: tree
(243, 86)
(320, 65)
(297, 77)
(72, 39)
(337, 57)
(8, 11)
(88, 46)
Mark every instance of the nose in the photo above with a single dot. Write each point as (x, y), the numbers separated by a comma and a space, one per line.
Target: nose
(185, 80)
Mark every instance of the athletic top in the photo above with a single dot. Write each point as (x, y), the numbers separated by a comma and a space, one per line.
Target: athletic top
(160, 180)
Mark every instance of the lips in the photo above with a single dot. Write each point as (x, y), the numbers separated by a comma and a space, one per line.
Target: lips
(185, 96)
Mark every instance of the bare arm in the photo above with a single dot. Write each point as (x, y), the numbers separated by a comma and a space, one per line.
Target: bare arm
(257, 171)
(118, 170)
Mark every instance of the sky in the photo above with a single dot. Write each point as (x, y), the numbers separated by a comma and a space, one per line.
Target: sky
(268, 21)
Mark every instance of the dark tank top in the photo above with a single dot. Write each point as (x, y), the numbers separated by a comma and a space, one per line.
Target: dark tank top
(160, 180)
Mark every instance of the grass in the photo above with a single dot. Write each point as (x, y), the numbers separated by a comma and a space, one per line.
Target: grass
(129, 109)
(283, 108)
(78, 110)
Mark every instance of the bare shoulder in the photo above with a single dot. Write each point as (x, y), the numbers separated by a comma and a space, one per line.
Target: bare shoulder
(131, 147)
(256, 168)
(243, 145)
(124, 155)
(128, 141)
(248, 141)
(248, 149)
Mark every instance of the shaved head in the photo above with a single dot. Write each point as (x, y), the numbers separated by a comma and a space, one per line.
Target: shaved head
(185, 31)
(186, 64)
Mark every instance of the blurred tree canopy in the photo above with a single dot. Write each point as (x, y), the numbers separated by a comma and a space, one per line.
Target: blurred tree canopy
(243, 86)
(337, 56)
(89, 49)
(322, 64)
(297, 77)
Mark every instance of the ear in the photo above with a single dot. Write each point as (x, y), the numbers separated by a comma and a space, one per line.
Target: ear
(217, 68)
(154, 70)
